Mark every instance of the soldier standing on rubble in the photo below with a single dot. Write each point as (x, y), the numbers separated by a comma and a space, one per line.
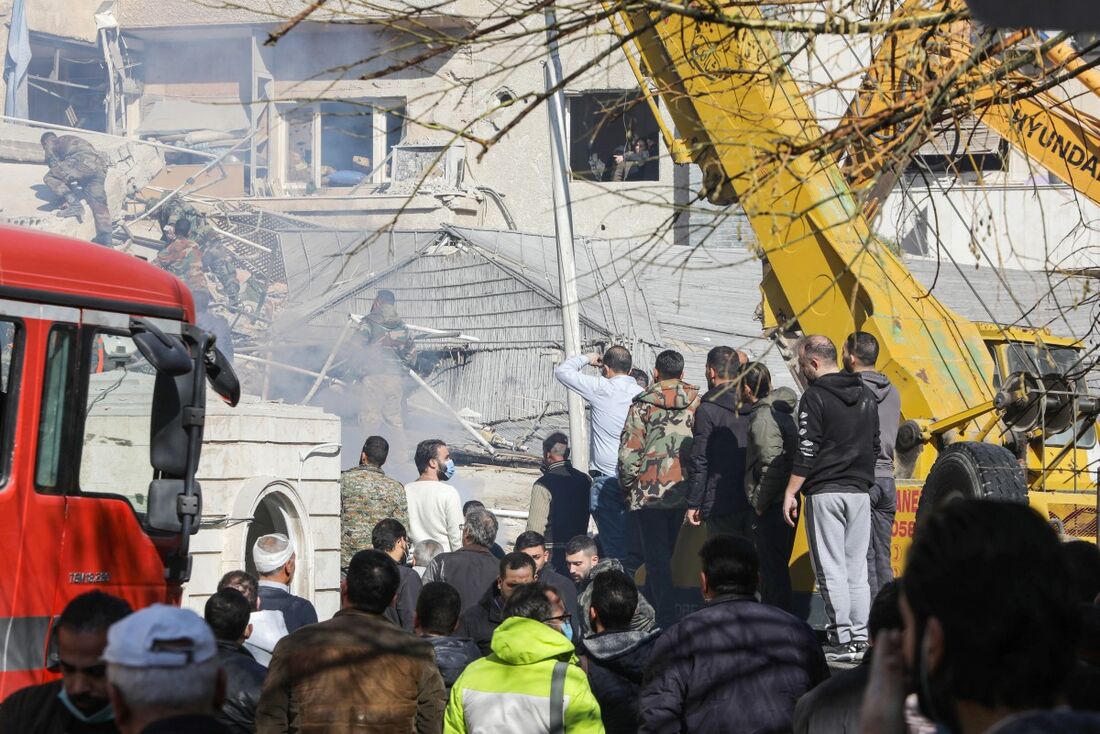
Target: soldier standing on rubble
(387, 346)
(76, 169)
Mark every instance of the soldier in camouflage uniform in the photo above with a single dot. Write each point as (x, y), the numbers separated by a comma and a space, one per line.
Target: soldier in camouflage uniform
(73, 160)
(183, 259)
(218, 262)
(655, 442)
(388, 345)
(368, 496)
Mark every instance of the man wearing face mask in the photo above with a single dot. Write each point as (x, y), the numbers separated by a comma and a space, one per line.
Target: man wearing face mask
(435, 510)
(78, 703)
(990, 628)
(389, 536)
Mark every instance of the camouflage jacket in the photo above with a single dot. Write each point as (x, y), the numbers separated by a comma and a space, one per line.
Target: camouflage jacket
(182, 259)
(386, 341)
(367, 496)
(656, 441)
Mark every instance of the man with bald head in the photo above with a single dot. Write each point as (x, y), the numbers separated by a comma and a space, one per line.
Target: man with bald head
(276, 563)
(834, 469)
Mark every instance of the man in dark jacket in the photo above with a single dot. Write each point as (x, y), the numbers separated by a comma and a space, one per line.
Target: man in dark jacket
(276, 562)
(390, 537)
(471, 569)
(585, 565)
(559, 500)
(534, 545)
(773, 442)
(860, 355)
(356, 667)
(481, 620)
(717, 468)
(656, 443)
(834, 469)
(227, 614)
(78, 702)
(437, 612)
(616, 656)
(736, 666)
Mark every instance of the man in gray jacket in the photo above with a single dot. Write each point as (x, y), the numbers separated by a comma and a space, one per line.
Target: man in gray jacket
(860, 355)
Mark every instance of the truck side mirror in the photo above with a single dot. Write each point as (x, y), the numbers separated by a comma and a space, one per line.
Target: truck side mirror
(221, 377)
(174, 411)
(168, 506)
(167, 354)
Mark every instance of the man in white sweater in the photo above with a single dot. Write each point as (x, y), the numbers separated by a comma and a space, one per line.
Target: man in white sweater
(435, 511)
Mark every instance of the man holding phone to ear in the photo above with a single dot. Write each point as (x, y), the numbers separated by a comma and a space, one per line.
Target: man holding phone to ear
(609, 396)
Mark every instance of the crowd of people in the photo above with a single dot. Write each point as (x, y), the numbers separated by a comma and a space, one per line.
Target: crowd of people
(995, 627)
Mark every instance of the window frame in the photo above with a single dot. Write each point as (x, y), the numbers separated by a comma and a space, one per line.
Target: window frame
(14, 392)
(63, 472)
(382, 110)
(659, 154)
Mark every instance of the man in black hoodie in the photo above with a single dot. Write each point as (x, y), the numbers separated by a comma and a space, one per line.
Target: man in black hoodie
(616, 656)
(834, 470)
(717, 468)
(860, 355)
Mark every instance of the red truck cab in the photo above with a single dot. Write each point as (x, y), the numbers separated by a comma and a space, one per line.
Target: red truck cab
(101, 407)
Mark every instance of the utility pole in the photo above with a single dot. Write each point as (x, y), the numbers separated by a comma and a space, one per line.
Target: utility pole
(563, 229)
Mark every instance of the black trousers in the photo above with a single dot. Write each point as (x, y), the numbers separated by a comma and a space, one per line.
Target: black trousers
(774, 540)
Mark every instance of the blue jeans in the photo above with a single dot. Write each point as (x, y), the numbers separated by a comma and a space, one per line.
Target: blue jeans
(609, 511)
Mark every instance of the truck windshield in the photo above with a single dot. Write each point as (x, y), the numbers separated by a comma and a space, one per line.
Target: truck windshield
(1060, 360)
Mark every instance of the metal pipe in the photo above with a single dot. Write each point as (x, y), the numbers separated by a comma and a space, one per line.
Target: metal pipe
(462, 421)
(288, 367)
(563, 230)
(238, 238)
(515, 514)
(190, 180)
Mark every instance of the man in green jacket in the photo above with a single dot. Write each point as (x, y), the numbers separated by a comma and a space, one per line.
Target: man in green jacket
(773, 439)
(530, 684)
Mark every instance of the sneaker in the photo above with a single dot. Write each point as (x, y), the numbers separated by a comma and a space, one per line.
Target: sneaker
(859, 650)
(838, 653)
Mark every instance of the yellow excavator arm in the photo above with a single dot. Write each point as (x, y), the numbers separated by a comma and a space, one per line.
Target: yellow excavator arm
(739, 114)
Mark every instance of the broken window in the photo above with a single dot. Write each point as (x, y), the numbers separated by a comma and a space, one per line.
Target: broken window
(612, 137)
(67, 83)
(351, 142)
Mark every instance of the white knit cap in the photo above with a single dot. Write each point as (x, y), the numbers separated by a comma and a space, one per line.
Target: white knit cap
(271, 552)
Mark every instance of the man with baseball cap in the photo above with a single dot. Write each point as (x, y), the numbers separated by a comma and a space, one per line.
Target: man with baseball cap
(163, 673)
(276, 562)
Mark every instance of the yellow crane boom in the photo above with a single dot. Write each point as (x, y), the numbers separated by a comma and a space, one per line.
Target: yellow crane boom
(741, 117)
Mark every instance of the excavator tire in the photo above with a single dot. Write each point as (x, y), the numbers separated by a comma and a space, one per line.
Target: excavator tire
(971, 470)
